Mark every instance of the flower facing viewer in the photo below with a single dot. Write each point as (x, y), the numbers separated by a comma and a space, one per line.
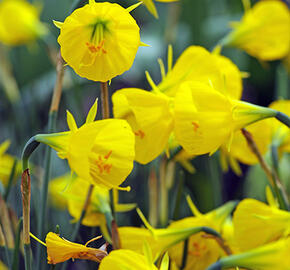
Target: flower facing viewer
(19, 22)
(100, 40)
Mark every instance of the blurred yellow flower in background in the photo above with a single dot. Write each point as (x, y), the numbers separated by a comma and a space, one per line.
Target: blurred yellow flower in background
(100, 152)
(6, 164)
(263, 32)
(19, 22)
(99, 40)
(69, 192)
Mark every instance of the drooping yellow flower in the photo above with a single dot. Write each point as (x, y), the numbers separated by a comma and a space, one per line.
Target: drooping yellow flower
(280, 133)
(201, 251)
(256, 223)
(151, 6)
(99, 40)
(265, 133)
(60, 250)
(6, 164)
(100, 152)
(150, 118)
(19, 22)
(263, 32)
(161, 240)
(69, 192)
(206, 118)
(268, 257)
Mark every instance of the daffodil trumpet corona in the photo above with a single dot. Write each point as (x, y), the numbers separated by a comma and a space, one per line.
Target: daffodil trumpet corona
(100, 152)
(99, 40)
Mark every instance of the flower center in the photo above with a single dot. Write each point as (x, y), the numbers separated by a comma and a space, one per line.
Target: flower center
(100, 164)
(99, 29)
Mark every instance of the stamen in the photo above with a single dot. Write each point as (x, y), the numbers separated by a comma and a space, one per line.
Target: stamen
(94, 239)
(195, 126)
(140, 133)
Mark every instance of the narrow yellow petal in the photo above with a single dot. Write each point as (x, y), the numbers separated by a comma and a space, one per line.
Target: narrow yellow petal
(93, 112)
(146, 223)
(169, 57)
(57, 24)
(162, 68)
(38, 240)
(71, 122)
(192, 207)
(132, 7)
(144, 44)
(150, 81)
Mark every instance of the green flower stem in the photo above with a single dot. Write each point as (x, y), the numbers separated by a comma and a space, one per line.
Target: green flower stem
(278, 187)
(184, 255)
(163, 203)
(26, 194)
(215, 266)
(282, 117)
(78, 224)
(10, 181)
(27, 257)
(15, 263)
(271, 175)
(52, 116)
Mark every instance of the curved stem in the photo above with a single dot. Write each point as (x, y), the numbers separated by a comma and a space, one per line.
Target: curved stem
(271, 175)
(282, 117)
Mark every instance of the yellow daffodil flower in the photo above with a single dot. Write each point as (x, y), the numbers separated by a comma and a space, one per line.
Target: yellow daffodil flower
(150, 114)
(151, 6)
(268, 257)
(150, 118)
(60, 250)
(265, 133)
(263, 32)
(161, 240)
(99, 40)
(6, 164)
(256, 223)
(201, 251)
(19, 22)
(197, 64)
(100, 152)
(206, 118)
(123, 259)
